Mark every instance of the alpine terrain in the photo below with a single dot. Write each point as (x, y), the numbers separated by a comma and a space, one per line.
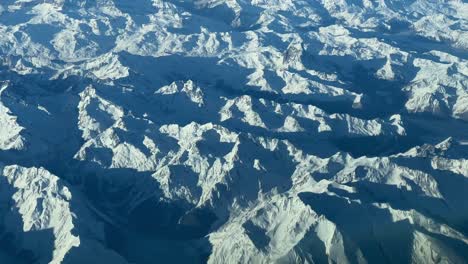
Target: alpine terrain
(234, 131)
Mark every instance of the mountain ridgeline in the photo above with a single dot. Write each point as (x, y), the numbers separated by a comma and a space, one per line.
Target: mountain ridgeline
(234, 131)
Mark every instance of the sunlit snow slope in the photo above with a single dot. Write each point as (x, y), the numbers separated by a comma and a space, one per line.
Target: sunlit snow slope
(234, 131)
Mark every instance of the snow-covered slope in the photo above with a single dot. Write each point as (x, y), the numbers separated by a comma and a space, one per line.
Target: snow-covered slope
(46, 222)
(234, 131)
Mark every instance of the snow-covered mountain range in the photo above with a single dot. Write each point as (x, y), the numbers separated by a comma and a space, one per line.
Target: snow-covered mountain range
(234, 131)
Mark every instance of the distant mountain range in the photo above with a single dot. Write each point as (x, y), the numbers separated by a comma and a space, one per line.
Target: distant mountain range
(234, 131)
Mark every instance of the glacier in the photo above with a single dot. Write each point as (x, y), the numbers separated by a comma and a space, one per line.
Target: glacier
(234, 131)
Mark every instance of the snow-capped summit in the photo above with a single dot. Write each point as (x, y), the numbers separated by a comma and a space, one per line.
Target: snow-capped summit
(233, 131)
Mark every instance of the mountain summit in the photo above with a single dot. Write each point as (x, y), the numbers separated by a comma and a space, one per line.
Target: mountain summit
(234, 131)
